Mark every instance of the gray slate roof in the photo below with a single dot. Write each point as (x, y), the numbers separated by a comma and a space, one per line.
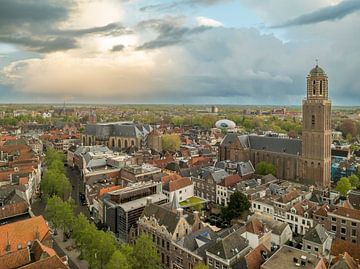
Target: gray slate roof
(122, 129)
(230, 245)
(275, 144)
(317, 234)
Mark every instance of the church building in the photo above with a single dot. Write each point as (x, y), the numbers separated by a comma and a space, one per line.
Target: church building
(307, 160)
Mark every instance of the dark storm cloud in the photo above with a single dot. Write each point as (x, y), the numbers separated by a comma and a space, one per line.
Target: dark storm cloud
(179, 4)
(33, 24)
(170, 33)
(119, 47)
(329, 13)
(42, 44)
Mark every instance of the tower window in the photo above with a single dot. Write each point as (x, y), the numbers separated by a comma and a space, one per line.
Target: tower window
(312, 121)
(321, 87)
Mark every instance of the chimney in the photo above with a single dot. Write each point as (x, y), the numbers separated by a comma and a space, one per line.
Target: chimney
(196, 215)
(148, 200)
(180, 212)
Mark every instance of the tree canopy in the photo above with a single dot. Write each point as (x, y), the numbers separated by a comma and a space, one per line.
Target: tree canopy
(170, 142)
(343, 186)
(238, 204)
(265, 168)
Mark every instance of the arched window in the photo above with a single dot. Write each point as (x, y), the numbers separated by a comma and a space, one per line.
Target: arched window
(119, 143)
(132, 143)
(90, 142)
(126, 144)
(321, 87)
(314, 88)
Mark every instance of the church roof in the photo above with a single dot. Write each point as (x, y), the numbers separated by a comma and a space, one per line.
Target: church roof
(275, 144)
(317, 70)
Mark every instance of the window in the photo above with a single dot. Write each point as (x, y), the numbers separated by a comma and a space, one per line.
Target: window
(308, 247)
(353, 232)
(313, 120)
(354, 241)
(316, 249)
(343, 221)
(353, 224)
(333, 228)
(343, 230)
(167, 246)
(333, 219)
(321, 87)
(342, 237)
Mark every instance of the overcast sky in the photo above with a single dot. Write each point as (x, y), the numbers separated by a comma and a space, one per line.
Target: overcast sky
(177, 51)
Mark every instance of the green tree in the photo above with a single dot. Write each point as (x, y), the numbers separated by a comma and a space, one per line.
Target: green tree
(57, 165)
(354, 181)
(170, 142)
(60, 213)
(238, 204)
(52, 155)
(265, 168)
(118, 261)
(343, 186)
(144, 254)
(55, 183)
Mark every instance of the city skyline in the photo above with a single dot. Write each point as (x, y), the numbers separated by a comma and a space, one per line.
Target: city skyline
(192, 51)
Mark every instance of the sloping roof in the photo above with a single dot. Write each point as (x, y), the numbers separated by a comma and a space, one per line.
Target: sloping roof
(354, 199)
(344, 261)
(254, 258)
(21, 232)
(230, 180)
(340, 246)
(288, 197)
(53, 262)
(317, 234)
(275, 144)
(15, 259)
(347, 212)
(13, 209)
(177, 184)
(230, 245)
(164, 216)
(255, 226)
(276, 227)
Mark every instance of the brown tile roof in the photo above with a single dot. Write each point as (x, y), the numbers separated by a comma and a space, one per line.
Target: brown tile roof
(340, 246)
(40, 251)
(344, 260)
(255, 226)
(347, 212)
(13, 209)
(324, 209)
(53, 262)
(21, 232)
(179, 184)
(170, 177)
(254, 259)
(230, 181)
(15, 259)
(287, 197)
(304, 206)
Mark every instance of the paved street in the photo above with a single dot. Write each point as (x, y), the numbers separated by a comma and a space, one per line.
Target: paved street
(64, 248)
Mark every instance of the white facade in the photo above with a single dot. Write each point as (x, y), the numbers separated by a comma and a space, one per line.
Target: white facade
(182, 194)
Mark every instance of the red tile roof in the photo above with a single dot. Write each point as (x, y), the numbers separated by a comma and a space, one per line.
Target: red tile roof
(15, 259)
(14, 209)
(340, 246)
(230, 181)
(255, 226)
(347, 212)
(53, 262)
(347, 259)
(21, 232)
(179, 184)
(254, 259)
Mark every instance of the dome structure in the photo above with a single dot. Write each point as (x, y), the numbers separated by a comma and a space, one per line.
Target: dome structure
(227, 124)
(317, 70)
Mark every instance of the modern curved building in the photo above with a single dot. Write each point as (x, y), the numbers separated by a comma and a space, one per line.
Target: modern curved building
(227, 124)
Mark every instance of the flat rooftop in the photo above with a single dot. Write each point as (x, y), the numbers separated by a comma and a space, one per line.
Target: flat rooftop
(288, 257)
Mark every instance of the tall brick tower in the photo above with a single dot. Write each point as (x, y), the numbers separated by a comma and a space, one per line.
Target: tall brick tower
(316, 133)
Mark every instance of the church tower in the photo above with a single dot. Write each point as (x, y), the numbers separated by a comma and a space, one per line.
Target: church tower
(316, 133)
